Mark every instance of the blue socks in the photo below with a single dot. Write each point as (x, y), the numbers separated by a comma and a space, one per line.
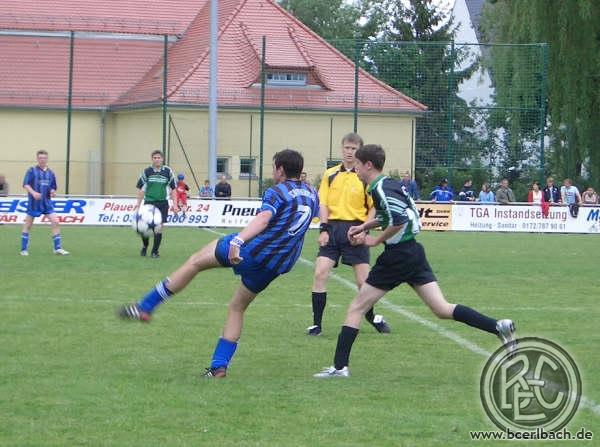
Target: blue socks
(157, 295)
(223, 353)
(24, 241)
(56, 241)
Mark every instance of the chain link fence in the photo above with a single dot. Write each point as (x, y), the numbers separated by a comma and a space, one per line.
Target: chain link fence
(101, 103)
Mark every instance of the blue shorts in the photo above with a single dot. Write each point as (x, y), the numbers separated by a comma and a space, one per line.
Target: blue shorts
(254, 275)
(35, 208)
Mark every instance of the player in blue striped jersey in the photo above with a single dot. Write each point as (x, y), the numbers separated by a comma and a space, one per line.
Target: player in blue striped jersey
(40, 184)
(268, 247)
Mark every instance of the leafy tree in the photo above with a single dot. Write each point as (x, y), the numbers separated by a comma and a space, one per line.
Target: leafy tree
(334, 19)
(414, 54)
(572, 30)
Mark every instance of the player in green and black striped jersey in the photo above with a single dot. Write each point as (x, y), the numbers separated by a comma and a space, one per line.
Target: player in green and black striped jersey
(154, 186)
(402, 261)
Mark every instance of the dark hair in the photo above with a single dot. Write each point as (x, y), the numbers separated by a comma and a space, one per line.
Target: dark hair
(373, 153)
(291, 161)
(157, 152)
(40, 152)
(353, 137)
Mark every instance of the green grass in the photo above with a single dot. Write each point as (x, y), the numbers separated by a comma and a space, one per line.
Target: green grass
(72, 374)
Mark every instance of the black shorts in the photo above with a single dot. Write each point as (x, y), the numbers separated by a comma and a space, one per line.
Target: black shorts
(399, 263)
(339, 246)
(163, 207)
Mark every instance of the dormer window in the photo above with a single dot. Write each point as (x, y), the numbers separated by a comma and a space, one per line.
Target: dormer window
(286, 78)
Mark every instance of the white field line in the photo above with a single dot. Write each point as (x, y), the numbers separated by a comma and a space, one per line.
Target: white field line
(463, 342)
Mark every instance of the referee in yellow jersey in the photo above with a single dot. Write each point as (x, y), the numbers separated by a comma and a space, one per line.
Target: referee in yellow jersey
(344, 202)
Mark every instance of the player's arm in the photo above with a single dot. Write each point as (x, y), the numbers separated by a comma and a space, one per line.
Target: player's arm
(372, 241)
(27, 187)
(53, 186)
(323, 211)
(173, 188)
(36, 195)
(139, 197)
(141, 185)
(256, 226)
(174, 200)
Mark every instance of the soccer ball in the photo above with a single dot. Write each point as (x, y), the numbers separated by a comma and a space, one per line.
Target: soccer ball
(147, 221)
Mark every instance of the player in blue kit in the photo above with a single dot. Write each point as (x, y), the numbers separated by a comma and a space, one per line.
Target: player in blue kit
(268, 247)
(40, 184)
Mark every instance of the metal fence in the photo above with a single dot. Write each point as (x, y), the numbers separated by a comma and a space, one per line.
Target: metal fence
(479, 121)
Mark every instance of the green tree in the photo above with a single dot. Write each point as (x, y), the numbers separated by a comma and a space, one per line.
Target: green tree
(572, 30)
(334, 19)
(415, 55)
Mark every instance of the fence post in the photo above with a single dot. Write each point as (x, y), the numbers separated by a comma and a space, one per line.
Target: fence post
(543, 111)
(263, 81)
(356, 60)
(69, 110)
(164, 98)
(451, 113)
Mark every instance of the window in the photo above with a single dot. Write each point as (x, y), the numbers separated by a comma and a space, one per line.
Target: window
(222, 165)
(286, 78)
(247, 167)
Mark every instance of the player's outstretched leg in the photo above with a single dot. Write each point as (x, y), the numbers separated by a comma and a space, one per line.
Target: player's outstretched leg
(142, 310)
(227, 344)
(432, 295)
(366, 298)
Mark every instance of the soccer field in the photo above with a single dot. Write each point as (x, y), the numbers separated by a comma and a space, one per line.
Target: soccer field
(71, 373)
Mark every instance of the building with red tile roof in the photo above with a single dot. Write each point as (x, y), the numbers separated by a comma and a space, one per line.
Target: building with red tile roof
(121, 69)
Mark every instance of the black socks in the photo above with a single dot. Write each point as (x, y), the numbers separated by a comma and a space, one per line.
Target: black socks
(473, 318)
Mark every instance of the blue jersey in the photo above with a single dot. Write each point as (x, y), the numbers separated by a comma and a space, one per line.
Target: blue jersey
(44, 182)
(294, 204)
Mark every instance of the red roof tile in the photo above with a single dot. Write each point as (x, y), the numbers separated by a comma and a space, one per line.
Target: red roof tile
(35, 70)
(123, 72)
(120, 16)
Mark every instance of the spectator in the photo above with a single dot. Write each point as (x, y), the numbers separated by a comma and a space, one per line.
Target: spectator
(486, 195)
(570, 195)
(505, 195)
(466, 194)
(536, 196)
(410, 186)
(303, 178)
(551, 192)
(442, 193)
(589, 197)
(223, 189)
(206, 191)
(3, 186)
(182, 193)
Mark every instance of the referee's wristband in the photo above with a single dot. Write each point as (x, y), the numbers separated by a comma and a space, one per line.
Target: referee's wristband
(237, 241)
(324, 227)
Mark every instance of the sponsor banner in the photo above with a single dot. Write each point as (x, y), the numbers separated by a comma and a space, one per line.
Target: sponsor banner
(524, 218)
(82, 210)
(435, 216)
(118, 211)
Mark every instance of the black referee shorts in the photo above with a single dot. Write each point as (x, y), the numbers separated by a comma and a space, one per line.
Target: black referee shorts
(399, 263)
(163, 207)
(339, 246)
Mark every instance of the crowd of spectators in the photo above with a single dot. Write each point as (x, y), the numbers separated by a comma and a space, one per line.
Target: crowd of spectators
(567, 194)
